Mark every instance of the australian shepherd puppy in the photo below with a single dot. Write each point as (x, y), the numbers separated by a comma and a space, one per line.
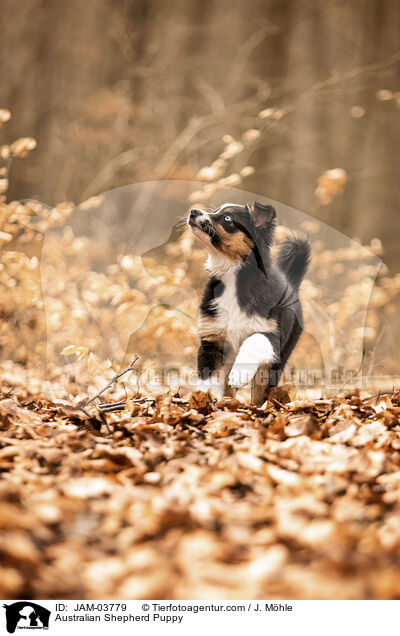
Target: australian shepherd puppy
(250, 313)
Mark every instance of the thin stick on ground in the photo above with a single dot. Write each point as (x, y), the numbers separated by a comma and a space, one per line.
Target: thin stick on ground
(119, 406)
(114, 379)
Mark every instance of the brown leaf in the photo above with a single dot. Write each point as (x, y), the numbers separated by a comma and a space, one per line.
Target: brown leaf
(201, 401)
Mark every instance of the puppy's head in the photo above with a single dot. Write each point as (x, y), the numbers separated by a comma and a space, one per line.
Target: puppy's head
(234, 230)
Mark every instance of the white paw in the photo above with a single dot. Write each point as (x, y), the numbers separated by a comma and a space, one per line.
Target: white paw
(241, 374)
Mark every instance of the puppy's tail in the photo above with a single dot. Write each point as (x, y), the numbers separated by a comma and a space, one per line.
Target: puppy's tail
(294, 258)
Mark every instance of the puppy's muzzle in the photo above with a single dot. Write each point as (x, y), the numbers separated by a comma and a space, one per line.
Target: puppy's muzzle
(200, 220)
(193, 215)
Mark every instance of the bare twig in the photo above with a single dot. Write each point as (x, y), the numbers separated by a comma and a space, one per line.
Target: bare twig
(119, 406)
(344, 77)
(110, 407)
(318, 88)
(82, 408)
(211, 95)
(114, 379)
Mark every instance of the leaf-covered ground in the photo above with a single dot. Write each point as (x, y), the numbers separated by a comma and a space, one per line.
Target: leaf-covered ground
(197, 500)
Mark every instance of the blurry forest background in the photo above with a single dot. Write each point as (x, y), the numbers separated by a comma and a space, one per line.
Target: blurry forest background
(128, 91)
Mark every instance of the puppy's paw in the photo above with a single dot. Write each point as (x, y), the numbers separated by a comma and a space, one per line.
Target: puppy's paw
(241, 374)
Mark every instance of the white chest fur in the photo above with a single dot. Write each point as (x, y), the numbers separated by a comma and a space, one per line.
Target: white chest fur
(231, 319)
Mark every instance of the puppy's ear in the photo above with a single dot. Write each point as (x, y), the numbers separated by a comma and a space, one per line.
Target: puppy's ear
(262, 215)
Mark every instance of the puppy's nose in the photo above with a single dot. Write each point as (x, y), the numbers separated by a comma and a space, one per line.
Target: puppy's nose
(194, 213)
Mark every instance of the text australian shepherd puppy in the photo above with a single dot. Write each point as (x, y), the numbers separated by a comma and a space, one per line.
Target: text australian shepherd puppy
(250, 313)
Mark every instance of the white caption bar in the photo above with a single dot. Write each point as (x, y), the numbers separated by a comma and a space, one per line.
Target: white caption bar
(149, 617)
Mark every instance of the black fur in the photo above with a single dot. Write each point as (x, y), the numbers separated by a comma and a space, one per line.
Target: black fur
(214, 288)
(209, 358)
(294, 258)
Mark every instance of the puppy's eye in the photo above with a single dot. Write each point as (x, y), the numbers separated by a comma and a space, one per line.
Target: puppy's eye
(227, 217)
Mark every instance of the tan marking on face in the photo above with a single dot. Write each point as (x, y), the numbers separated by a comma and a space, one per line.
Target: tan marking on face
(236, 246)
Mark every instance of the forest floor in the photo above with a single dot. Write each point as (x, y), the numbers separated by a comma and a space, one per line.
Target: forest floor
(188, 499)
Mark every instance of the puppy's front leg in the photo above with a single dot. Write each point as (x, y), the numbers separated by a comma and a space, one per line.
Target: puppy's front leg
(260, 385)
(210, 368)
(258, 349)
